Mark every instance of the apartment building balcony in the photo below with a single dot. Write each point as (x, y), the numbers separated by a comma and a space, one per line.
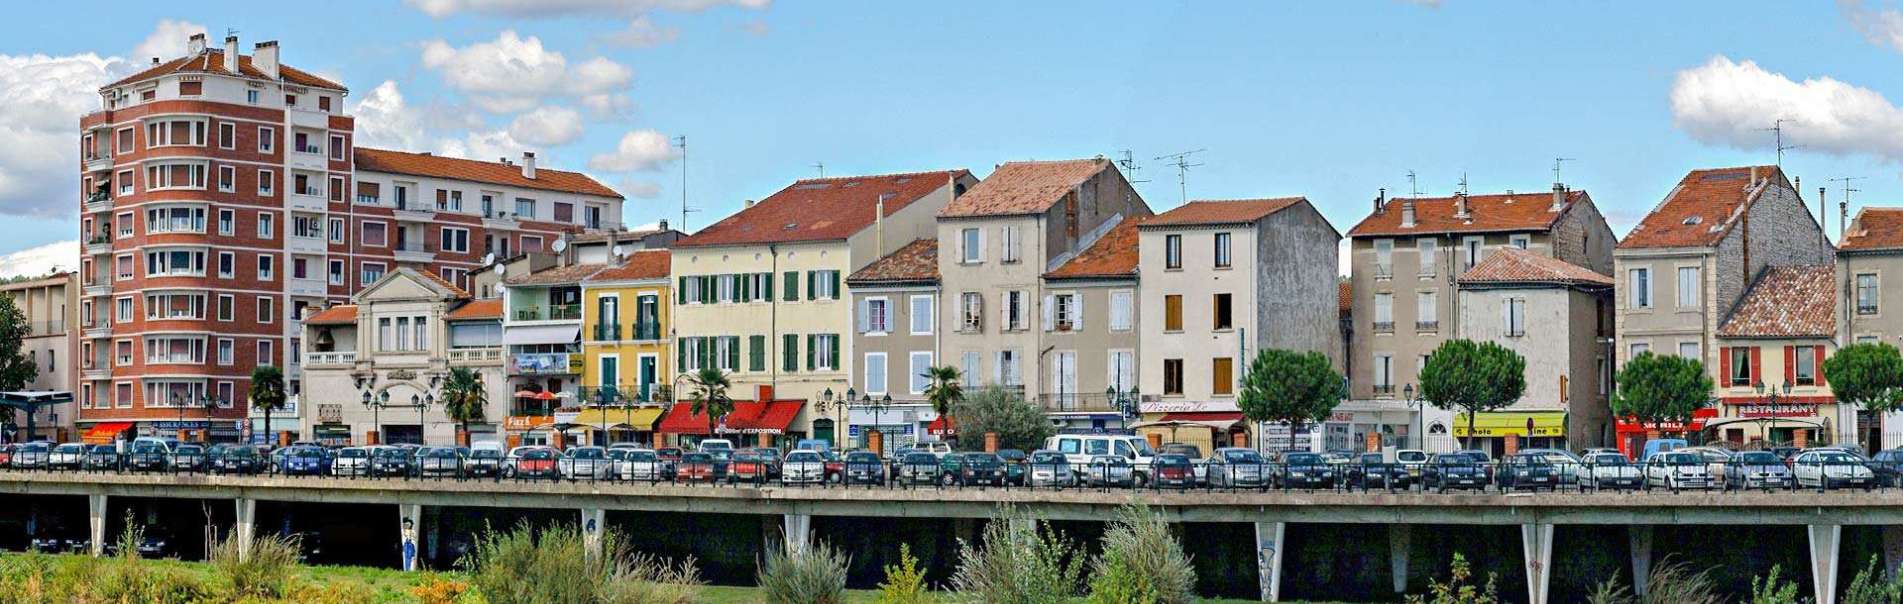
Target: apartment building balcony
(99, 328)
(98, 287)
(96, 201)
(309, 199)
(98, 244)
(344, 358)
(1384, 327)
(558, 312)
(306, 117)
(96, 372)
(1384, 389)
(305, 287)
(1079, 402)
(646, 332)
(619, 398)
(308, 158)
(475, 356)
(540, 363)
(415, 212)
(99, 161)
(500, 220)
(1427, 326)
(639, 332)
(606, 333)
(305, 245)
(1383, 271)
(414, 253)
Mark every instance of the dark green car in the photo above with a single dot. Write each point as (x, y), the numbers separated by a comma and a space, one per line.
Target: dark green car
(979, 469)
(1015, 463)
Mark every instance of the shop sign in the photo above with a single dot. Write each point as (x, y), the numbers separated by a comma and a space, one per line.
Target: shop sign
(1777, 410)
(524, 423)
(1188, 406)
(330, 413)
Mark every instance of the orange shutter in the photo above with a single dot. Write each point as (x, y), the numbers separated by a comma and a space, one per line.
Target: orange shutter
(1724, 367)
(1757, 365)
(1790, 365)
(1818, 352)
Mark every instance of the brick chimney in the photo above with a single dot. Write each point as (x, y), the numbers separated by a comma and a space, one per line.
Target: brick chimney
(231, 54)
(528, 165)
(1381, 202)
(1407, 213)
(196, 45)
(1460, 206)
(1559, 197)
(264, 56)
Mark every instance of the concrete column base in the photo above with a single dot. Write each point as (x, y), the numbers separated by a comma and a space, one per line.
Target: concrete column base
(96, 509)
(1892, 548)
(1268, 558)
(798, 531)
(1639, 540)
(243, 525)
(409, 518)
(593, 522)
(1400, 538)
(1824, 539)
(1537, 539)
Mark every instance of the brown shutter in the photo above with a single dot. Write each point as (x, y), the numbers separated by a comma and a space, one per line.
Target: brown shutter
(1790, 365)
(1757, 366)
(1724, 367)
(1818, 353)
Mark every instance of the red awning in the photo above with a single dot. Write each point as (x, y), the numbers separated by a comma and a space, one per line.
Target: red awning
(103, 432)
(943, 426)
(748, 417)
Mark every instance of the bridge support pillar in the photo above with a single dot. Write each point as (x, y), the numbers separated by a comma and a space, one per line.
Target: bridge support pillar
(1537, 539)
(1400, 538)
(244, 524)
(593, 522)
(1639, 539)
(1892, 548)
(410, 518)
(1824, 539)
(1268, 559)
(798, 531)
(96, 509)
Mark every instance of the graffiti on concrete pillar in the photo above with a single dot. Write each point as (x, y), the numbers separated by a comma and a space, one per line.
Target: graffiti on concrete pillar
(409, 543)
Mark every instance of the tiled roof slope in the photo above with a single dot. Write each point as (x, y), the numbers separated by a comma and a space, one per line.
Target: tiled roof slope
(213, 61)
(1875, 229)
(1345, 297)
(1112, 255)
(342, 314)
(1531, 211)
(1221, 211)
(1514, 265)
(559, 275)
(821, 209)
(1701, 209)
(1786, 302)
(917, 261)
(1024, 187)
(642, 264)
(478, 309)
(497, 173)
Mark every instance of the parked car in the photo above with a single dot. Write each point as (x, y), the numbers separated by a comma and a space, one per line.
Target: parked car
(709, 445)
(536, 462)
(1454, 471)
(804, 466)
(189, 458)
(1111, 471)
(641, 464)
(306, 461)
(390, 461)
(1716, 459)
(1081, 448)
(148, 454)
(1238, 467)
(771, 457)
(1413, 460)
(1373, 470)
(351, 461)
(696, 467)
(439, 461)
(589, 463)
(1677, 471)
(1173, 470)
(1661, 445)
(1610, 471)
(1014, 466)
(1831, 469)
(918, 468)
(102, 458)
(1888, 467)
(1050, 469)
(1566, 465)
(937, 448)
(748, 466)
(980, 468)
(1483, 458)
(817, 445)
(1299, 470)
(1757, 470)
(68, 456)
(1198, 465)
(6, 454)
(33, 455)
(485, 459)
(1530, 471)
(864, 467)
(835, 465)
(237, 460)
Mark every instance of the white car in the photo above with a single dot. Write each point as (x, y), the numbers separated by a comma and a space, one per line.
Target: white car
(1601, 471)
(709, 445)
(1831, 469)
(937, 448)
(1677, 471)
(68, 456)
(643, 465)
(803, 466)
(585, 462)
(1050, 469)
(352, 461)
(1716, 460)
(1412, 460)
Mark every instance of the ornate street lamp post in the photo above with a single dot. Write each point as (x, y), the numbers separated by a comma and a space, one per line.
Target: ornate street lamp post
(1420, 433)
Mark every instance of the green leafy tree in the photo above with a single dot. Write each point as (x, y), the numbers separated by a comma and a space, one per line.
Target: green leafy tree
(15, 368)
(944, 390)
(1018, 423)
(710, 395)
(1868, 375)
(464, 398)
(1472, 377)
(1288, 386)
(267, 394)
(1654, 389)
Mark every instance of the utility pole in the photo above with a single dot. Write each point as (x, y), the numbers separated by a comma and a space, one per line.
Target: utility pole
(681, 142)
(1181, 161)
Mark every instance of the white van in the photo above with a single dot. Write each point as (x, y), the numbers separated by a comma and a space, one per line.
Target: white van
(936, 447)
(709, 445)
(1079, 448)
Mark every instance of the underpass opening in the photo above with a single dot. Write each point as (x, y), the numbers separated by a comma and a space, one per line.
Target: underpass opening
(727, 547)
(344, 534)
(183, 528)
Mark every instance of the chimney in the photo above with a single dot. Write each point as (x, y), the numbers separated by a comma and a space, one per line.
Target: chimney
(528, 165)
(1559, 197)
(196, 46)
(1407, 213)
(264, 56)
(748, 204)
(231, 54)
(1381, 202)
(1460, 205)
(155, 61)
(663, 225)
(1754, 176)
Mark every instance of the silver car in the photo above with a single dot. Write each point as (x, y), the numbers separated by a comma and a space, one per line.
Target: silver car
(1609, 471)
(586, 462)
(68, 456)
(641, 464)
(1831, 469)
(1050, 469)
(1758, 470)
(803, 466)
(1238, 467)
(352, 461)
(1110, 471)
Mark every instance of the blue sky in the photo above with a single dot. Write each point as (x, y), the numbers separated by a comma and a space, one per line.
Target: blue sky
(1328, 100)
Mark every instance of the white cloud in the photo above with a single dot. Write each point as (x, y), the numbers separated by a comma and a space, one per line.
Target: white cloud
(385, 120)
(168, 41)
(514, 73)
(607, 105)
(642, 33)
(639, 188)
(487, 145)
(563, 8)
(547, 126)
(638, 150)
(1883, 26)
(1730, 103)
(63, 256)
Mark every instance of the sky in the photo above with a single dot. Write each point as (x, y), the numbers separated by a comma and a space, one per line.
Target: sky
(1332, 101)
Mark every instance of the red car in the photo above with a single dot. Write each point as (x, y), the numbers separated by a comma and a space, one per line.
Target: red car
(750, 467)
(536, 463)
(835, 466)
(695, 467)
(6, 455)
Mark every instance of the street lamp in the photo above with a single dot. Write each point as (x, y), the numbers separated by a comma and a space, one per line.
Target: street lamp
(1420, 433)
(375, 402)
(1126, 403)
(1771, 396)
(831, 405)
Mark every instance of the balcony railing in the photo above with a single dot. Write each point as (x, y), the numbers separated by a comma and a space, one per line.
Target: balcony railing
(607, 332)
(647, 332)
(1427, 325)
(1866, 309)
(560, 312)
(1384, 389)
(346, 357)
(99, 197)
(459, 356)
(624, 394)
(1383, 271)
(368, 199)
(1384, 327)
(45, 328)
(1077, 401)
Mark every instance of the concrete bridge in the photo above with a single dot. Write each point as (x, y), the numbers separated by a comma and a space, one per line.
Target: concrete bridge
(1823, 514)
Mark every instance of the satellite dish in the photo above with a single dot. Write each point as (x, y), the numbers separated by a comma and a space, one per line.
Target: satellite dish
(559, 245)
(499, 269)
(488, 259)
(618, 251)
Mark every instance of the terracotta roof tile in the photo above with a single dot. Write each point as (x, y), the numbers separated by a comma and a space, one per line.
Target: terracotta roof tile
(1024, 187)
(1112, 255)
(821, 209)
(497, 173)
(213, 61)
(1345, 297)
(1514, 265)
(642, 264)
(1530, 211)
(1875, 229)
(1701, 209)
(557, 275)
(1786, 302)
(916, 262)
(478, 309)
(433, 277)
(342, 314)
(1222, 211)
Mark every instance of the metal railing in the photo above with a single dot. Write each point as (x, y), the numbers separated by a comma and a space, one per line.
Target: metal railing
(1427, 325)
(607, 332)
(1384, 327)
(559, 312)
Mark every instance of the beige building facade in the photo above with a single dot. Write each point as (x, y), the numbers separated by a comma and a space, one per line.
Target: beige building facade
(51, 308)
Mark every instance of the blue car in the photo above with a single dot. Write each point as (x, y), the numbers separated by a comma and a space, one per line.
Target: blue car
(305, 461)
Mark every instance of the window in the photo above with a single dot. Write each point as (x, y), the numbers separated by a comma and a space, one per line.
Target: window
(1637, 348)
(266, 356)
(1519, 241)
(1173, 377)
(265, 313)
(169, 133)
(563, 212)
(123, 266)
(290, 100)
(227, 265)
(455, 240)
(726, 353)
(922, 315)
(1383, 258)
(1427, 248)
(1426, 311)
(969, 365)
(336, 272)
(591, 216)
(921, 363)
(175, 350)
(188, 219)
(1063, 312)
(126, 140)
(1122, 370)
(266, 263)
(1740, 358)
(1120, 303)
(1222, 376)
(1172, 251)
(369, 272)
(227, 307)
(971, 246)
(1016, 317)
(226, 351)
(1008, 374)
(1687, 286)
(1009, 245)
(267, 136)
(336, 230)
(1866, 293)
(374, 234)
(125, 183)
(1384, 312)
(875, 373)
(336, 145)
(227, 222)
(1173, 312)
(1384, 374)
(251, 96)
(1805, 361)
(1516, 317)
(174, 306)
(824, 353)
(1688, 350)
(824, 285)
(122, 394)
(175, 262)
(1639, 287)
(972, 306)
(524, 207)
(308, 227)
(875, 316)
(125, 224)
(1471, 255)
(174, 176)
(227, 179)
(1222, 250)
(266, 181)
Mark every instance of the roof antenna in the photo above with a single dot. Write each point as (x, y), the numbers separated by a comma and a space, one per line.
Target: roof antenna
(681, 141)
(821, 166)
(1181, 161)
(1413, 185)
(1777, 129)
(1130, 167)
(1463, 183)
(1557, 162)
(1843, 206)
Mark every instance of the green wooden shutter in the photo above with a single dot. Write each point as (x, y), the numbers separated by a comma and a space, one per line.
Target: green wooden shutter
(809, 353)
(756, 353)
(767, 280)
(680, 354)
(792, 286)
(680, 291)
(707, 289)
(789, 352)
(836, 346)
(812, 285)
(835, 276)
(740, 289)
(707, 352)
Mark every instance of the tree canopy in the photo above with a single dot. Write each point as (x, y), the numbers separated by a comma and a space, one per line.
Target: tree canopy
(464, 397)
(1661, 388)
(710, 395)
(15, 368)
(1472, 377)
(944, 390)
(1018, 423)
(1868, 375)
(1292, 387)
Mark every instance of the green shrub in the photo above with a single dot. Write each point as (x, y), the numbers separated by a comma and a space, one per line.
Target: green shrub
(814, 574)
(524, 566)
(1873, 586)
(263, 573)
(652, 580)
(1675, 583)
(1772, 589)
(334, 591)
(1142, 562)
(1456, 590)
(904, 583)
(1020, 561)
(1610, 591)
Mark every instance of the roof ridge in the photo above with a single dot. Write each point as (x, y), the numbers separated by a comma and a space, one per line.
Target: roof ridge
(887, 175)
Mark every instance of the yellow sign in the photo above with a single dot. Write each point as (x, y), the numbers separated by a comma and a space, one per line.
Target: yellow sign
(1502, 423)
(640, 418)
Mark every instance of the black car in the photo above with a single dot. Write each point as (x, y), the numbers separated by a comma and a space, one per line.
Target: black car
(1888, 467)
(864, 467)
(237, 460)
(1015, 466)
(1453, 471)
(148, 456)
(100, 458)
(1527, 471)
(980, 469)
(391, 461)
(1305, 471)
(1373, 470)
(189, 458)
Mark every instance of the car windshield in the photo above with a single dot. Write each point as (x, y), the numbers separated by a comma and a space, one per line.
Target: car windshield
(1242, 456)
(148, 447)
(1371, 458)
(1837, 457)
(102, 449)
(486, 453)
(1759, 457)
(1411, 456)
(1011, 455)
(642, 456)
(1171, 460)
(1302, 459)
(1682, 459)
(351, 453)
(1109, 460)
(805, 456)
(241, 452)
(1609, 459)
(1455, 459)
(70, 448)
(539, 454)
(392, 453)
(861, 457)
(189, 450)
(1532, 460)
(307, 453)
(587, 453)
(914, 458)
(697, 458)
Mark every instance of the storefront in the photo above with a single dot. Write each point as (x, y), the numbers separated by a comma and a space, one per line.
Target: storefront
(1393, 421)
(751, 424)
(603, 426)
(1783, 421)
(1205, 430)
(1535, 429)
(1632, 434)
(528, 430)
(103, 433)
(901, 424)
(1091, 422)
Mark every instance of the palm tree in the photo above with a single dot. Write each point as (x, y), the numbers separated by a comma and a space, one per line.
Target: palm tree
(710, 395)
(267, 393)
(464, 398)
(945, 389)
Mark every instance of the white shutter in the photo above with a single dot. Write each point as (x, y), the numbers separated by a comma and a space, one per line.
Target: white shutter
(997, 369)
(1077, 312)
(1050, 319)
(1506, 312)
(865, 308)
(1004, 311)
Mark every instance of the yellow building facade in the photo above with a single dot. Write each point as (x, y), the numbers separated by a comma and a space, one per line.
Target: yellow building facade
(627, 354)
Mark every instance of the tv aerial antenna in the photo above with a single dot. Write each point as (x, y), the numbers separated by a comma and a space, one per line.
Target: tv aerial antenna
(821, 166)
(1130, 167)
(1181, 161)
(1777, 130)
(681, 143)
(1558, 162)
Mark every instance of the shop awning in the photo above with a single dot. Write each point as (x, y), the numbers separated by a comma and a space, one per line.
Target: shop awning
(103, 432)
(748, 417)
(541, 334)
(640, 418)
(1501, 423)
(943, 426)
